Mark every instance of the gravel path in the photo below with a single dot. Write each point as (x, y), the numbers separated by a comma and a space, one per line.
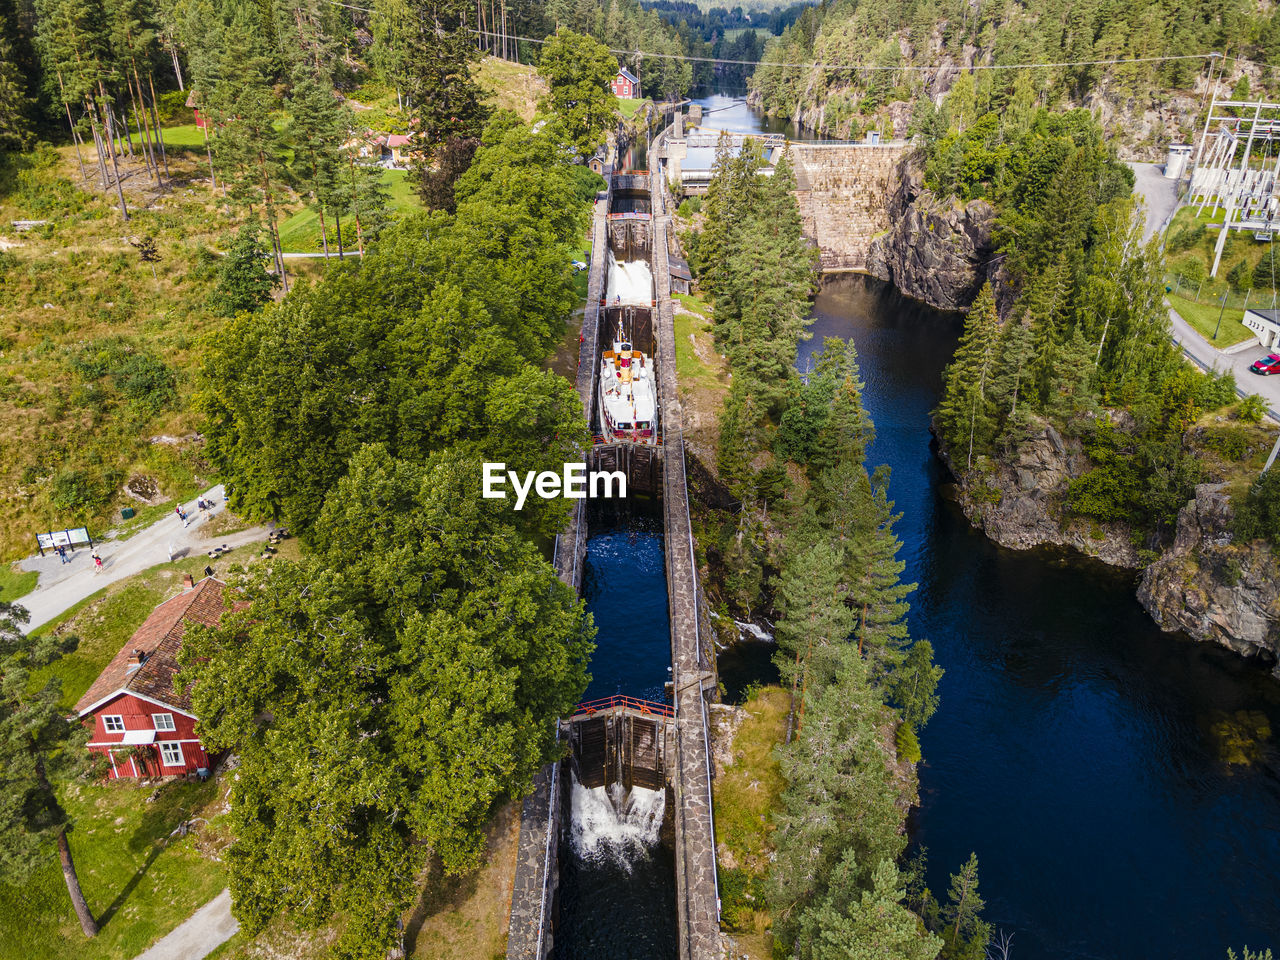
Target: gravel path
(199, 935)
(63, 585)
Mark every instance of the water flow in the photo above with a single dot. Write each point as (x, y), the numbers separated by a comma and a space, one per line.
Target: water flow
(616, 899)
(615, 824)
(629, 282)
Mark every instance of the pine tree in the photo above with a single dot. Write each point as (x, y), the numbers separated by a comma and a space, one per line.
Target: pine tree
(873, 924)
(444, 101)
(913, 685)
(966, 934)
(318, 124)
(1011, 380)
(964, 415)
(15, 105)
(37, 746)
(814, 613)
(1070, 389)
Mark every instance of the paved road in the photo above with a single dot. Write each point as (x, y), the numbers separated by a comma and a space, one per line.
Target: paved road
(199, 935)
(1159, 200)
(1236, 359)
(1159, 196)
(62, 585)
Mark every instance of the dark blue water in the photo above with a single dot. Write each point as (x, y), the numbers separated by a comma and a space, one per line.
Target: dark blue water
(1078, 750)
(625, 586)
(617, 907)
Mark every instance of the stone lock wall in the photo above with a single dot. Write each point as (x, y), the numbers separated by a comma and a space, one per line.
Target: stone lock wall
(843, 192)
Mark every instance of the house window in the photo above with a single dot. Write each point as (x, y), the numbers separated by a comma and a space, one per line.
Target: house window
(163, 721)
(171, 754)
(113, 724)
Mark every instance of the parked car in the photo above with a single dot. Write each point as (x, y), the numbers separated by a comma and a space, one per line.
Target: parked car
(578, 266)
(1268, 364)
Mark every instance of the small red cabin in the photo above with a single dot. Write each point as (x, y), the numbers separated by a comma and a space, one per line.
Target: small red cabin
(626, 85)
(142, 721)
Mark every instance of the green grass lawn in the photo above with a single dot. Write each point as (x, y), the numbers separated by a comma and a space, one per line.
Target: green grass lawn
(629, 108)
(15, 583)
(137, 886)
(745, 797)
(692, 369)
(300, 233)
(1204, 317)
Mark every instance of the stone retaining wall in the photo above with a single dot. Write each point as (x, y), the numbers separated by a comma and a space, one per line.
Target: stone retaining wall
(843, 192)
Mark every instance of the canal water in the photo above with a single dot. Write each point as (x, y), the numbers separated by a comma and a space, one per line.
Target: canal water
(1120, 786)
(617, 896)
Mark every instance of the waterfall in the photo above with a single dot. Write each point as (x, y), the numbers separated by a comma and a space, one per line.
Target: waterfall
(612, 823)
(629, 282)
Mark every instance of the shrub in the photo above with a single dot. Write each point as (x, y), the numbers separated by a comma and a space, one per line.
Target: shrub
(1186, 238)
(1231, 443)
(741, 894)
(141, 378)
(1190, 271)
(79, 492)
(1258, 517)
(908, 743)
(1251, 409)
(1241, 277)
(1216, 390)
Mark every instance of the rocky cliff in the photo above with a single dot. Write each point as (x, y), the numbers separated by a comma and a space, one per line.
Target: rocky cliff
(1017, 502)
(1203, 584)
(935, 250)
(1212, 588)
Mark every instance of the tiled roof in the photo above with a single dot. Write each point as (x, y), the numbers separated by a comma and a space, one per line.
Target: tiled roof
(398, 140)
(159, 640)
(623, 71)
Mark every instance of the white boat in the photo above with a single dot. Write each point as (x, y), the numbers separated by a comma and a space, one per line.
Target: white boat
(628, 392)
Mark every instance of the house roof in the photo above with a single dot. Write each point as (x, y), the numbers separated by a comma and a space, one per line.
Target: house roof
(624, 72)
(1273, 316)
(398, 140)
(678, 267)
(158, 640)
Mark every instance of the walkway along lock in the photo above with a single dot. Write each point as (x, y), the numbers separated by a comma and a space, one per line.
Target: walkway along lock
(623, 740)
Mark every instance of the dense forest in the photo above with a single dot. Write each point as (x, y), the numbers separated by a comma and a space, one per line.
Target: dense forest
(808, 533)
(950, 36)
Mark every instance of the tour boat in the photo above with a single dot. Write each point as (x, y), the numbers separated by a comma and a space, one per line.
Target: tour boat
(628, 392)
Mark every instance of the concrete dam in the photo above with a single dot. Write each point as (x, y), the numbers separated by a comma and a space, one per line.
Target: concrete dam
(616, 852)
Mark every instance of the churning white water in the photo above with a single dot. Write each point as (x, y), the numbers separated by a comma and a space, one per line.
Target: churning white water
(629, 282)
(613, 823)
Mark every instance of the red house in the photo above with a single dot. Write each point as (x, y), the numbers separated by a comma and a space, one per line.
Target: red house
(626, 85)
(142, 721)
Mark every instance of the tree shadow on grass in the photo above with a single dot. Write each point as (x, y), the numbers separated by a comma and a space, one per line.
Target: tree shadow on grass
(442, 893)
(172, 804)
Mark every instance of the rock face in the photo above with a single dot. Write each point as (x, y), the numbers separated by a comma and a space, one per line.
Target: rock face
(1018, 502)
(1212, 588)
(934, 250)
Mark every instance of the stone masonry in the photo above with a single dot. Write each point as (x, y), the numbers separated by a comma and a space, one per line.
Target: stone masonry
(697, 896)
(843, 191)
(537, 866)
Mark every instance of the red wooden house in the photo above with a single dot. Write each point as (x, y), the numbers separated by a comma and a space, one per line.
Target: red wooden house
(626, 85)
(142, 720)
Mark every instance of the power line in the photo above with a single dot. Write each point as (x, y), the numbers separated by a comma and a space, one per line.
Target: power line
(918, 68)
(914, 68)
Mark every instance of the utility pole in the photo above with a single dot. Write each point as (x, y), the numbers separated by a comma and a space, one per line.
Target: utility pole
(1220, 313)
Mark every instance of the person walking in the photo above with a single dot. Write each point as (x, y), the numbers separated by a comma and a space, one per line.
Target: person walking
(62, 554)
(97, 563)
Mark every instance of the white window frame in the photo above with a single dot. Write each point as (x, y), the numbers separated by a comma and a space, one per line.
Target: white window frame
(110, 721)
(158, 720)
(165, 747)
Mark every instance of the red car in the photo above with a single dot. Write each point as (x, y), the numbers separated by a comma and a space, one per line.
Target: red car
(1268, 364)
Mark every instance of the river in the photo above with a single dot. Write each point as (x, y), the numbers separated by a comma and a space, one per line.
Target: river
(1078, 750)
